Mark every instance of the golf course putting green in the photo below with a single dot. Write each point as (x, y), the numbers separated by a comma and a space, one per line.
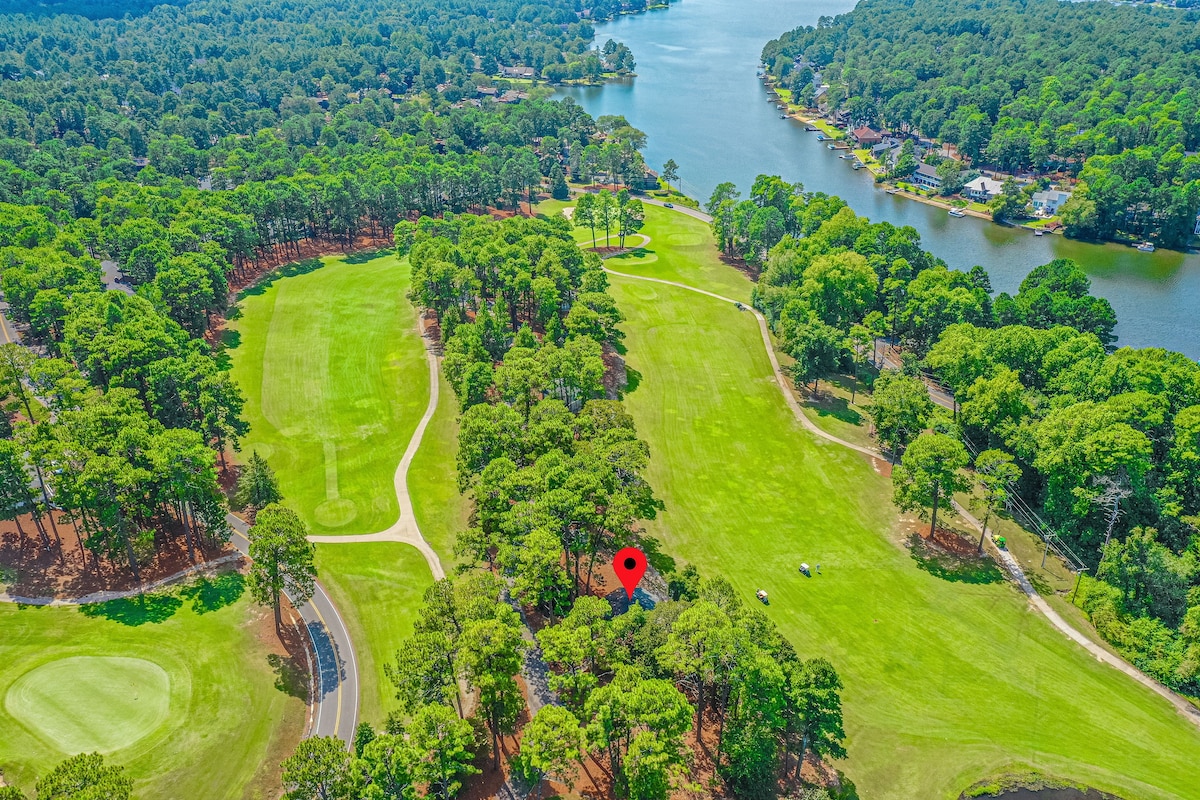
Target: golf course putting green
(90, 704)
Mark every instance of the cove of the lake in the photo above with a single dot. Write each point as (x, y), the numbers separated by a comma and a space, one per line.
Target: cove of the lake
(697, 97)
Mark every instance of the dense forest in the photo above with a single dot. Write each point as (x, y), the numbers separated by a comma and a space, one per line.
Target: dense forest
(1105, 441)
(193, 146)
(1108, 92)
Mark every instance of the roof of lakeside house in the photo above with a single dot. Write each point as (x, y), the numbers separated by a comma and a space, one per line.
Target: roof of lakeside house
(927, 171)
(1051, 196)
(984, 184)
(866, 132)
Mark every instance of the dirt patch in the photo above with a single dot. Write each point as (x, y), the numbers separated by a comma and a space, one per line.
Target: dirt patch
(289, 656)
(948, 554)
(30, 570)
(751, 271)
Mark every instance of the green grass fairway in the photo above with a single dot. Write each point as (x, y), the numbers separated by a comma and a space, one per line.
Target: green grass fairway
(125, 699)
(377, 587)
(946, 682)
(178, 687)
(681, 249)
(335, 380)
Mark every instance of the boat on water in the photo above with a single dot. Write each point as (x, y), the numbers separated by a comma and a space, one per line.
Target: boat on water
(832, 146)
(781, 107)
(783, 116)
(1039, 232)
(1145, 247)
(892, 191)
(957, 212)
(857, 165)
(843, 155)
(821, 137)
(811, 128)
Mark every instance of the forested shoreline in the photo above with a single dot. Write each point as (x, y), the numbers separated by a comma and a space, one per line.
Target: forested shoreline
(1104, 92)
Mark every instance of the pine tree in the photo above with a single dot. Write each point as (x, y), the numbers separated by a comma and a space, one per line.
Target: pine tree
(257, 486)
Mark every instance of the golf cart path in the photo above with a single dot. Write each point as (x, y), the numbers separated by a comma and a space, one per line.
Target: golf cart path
(105, 596)
(405, 529)
(1181, 705)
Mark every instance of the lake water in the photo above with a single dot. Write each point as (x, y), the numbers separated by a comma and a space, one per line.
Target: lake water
(700, 102)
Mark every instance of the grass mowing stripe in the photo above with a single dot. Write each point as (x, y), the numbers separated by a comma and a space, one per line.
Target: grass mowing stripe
(945, 682)
(335, 381)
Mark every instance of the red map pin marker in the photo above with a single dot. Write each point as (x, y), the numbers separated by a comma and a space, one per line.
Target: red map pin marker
(630, 565)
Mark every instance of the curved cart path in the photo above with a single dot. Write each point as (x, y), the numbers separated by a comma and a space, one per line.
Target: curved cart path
(405, 528)
(1181, 705)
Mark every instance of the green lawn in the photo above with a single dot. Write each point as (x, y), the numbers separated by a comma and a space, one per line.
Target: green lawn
(680, 249)
(377, 587)
(177, 686)
(335, 381)
(946, 682)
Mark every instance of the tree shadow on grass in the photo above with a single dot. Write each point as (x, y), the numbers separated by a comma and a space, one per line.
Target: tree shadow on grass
(210, 595)
(633, 379)
(135, 611)
(290, 677)
(836, 407)
(286, 271)
(364, 256)
(661, 562)
(957, 568)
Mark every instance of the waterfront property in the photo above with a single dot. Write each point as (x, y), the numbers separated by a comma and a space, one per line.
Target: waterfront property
(927, 177)
(982, 189)
(1048, 202)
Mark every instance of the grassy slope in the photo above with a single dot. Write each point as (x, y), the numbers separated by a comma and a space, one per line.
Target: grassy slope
(945, 682)
(377, 587)
(335, 383)
(225, 708)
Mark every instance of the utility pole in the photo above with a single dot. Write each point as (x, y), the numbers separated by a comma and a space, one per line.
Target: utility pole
(1078, 578)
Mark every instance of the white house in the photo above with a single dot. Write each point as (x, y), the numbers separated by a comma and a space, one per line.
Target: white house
(982, 189)
(1049, 201)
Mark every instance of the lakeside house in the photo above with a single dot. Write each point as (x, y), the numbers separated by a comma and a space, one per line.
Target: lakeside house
(1048, 202)
(512, 96)
(647, 182)
(982, 189)
(517, 72)
(927, 177)
(866, 136)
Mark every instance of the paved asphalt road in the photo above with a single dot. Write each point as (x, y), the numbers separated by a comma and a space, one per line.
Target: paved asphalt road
(337, 690)
(7, 332)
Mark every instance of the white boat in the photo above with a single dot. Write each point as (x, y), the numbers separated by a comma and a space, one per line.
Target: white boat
(1039, 232)
(1145, 247)
(957, 212)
